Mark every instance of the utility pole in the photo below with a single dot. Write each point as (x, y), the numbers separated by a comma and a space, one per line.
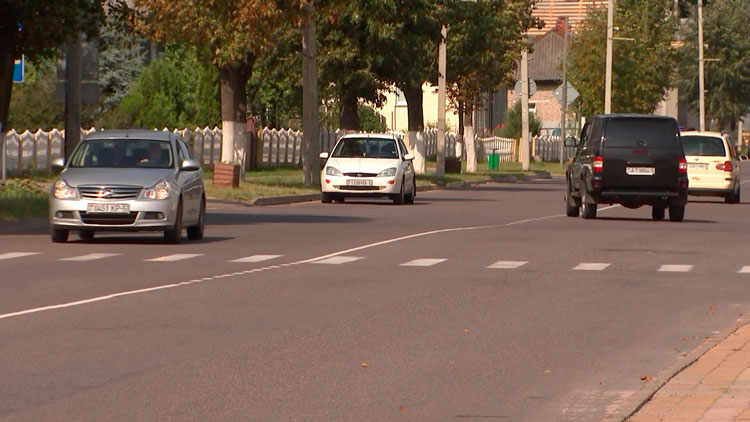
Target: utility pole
(440, 171)
(310, 128)
(701, 82)
(608, 76)
(565, 89)
(526, 153)
(72, 94)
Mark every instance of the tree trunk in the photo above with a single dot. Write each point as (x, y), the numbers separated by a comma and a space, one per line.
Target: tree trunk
(72, 94)
(6, 86)
(310, 102)
(349, 118)
(413, 96)
(232, 81)
(471, 152)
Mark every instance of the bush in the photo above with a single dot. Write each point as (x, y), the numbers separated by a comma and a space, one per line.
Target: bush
(22, 198)
(512, 126)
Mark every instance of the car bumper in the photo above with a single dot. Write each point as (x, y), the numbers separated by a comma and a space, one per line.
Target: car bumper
(142, 215)
(344, 185)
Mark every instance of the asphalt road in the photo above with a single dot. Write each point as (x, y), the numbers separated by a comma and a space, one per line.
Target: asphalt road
(475, 304)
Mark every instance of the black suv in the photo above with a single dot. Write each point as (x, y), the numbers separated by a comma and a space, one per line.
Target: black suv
(628, 159)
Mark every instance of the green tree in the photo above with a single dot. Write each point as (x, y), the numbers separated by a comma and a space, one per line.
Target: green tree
(512, 126)
(726, 36)
(643, 61)
(34, 105)
(36, 28)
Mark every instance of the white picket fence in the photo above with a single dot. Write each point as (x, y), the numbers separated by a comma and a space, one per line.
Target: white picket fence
(34, 151)
(505, 148)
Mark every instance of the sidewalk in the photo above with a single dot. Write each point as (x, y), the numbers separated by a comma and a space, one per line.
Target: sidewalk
(714, 388)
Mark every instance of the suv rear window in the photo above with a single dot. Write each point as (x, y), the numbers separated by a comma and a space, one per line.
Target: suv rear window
(704, 146)
(627, 132)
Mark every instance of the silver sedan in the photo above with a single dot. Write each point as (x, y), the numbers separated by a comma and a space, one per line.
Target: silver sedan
(129, 180)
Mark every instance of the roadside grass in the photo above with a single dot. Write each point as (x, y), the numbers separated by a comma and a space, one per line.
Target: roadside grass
(24, 197)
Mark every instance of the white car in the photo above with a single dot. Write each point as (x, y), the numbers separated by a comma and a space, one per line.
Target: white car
(368, 165)
(128, 180)
(712, 165)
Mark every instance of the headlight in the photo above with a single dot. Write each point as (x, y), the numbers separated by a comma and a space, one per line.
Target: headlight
(332, 171)
(158, 191)
(62, 190)
(388, 172)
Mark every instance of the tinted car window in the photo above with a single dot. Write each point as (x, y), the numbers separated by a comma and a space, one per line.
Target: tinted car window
(703, 145)
(366, 147)
(630, 132)
(122, 153)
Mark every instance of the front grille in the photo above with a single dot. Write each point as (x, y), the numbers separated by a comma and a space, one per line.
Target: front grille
(360, 174)
(115, 193)
(365, 188)
(109, 219)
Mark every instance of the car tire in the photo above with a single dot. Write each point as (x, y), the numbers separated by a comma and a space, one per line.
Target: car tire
(174, 234)
(339, 198)
(733, 198)
(400, 198)
(196, 232)
(412, 193)
(676, 213)
(658, 212)
(59, 235)
(326, 198)
(588, 208)
(571, 205)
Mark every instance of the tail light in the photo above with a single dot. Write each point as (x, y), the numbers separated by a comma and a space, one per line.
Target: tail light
(683, 166)
(598, 164)
(727, 166)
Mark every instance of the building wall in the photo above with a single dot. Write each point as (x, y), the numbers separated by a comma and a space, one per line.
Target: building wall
(396, 114)
(543, 104)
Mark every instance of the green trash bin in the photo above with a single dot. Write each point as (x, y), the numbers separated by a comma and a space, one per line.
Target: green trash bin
(494, 161)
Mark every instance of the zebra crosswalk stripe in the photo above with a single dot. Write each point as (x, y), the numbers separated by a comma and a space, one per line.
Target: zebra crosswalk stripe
(338, 260)
(508, 265)
(591, 266)
(256, 258)
(175, 257)
(423, 262)
(90, 257)
(11, 255)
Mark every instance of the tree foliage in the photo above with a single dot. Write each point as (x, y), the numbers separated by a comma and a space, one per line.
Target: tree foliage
(34, 105)
(726, 36)
(512, 126)
(643, 60)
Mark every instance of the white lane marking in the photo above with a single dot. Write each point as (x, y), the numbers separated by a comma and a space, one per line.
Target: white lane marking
(256, 258)
(256, 270)
(90, 257)
(676, 268)
(11, 255)
(423, 262)
(744, 270)
(337, 260)
(175, 257)
(508, 265)
(591, 266)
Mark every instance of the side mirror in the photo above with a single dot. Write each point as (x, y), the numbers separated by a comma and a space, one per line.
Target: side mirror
(190, 165)
(571, 141)
(323, 155)
(409, 157)
(57, 164)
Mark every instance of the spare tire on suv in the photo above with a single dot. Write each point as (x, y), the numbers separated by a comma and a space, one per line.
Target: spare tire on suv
(628, 159)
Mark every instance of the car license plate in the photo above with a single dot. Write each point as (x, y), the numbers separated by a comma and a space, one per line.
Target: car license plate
(699, 166)
(640, 171)
(358, 182)
(108, 208)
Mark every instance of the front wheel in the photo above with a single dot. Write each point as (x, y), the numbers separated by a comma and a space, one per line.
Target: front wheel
(326, 198)
(412, 193)
(59, 235)
(572, 208)
(400, 197)
(676, 213)
(174, 235)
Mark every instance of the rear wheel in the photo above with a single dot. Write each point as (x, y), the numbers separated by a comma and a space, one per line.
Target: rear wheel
(86, 234)
(734, 197)
(657, 212)
(196, 232)
(174, 234)
(588, 207)
(676, 213)
(59, 235)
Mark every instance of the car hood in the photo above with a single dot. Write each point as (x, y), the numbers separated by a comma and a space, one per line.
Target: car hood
(362, 165)
(143, 177)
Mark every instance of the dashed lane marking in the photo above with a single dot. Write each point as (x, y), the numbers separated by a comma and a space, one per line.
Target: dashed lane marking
(337, 260)
(423, 262)
(175, 257)
(744, 270)
(91, 257)
(591, 266)
(508, 265)
(11, 255)
(256, 258)
(672, 268)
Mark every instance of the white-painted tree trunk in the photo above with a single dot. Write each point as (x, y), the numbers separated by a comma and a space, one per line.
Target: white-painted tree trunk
(471, 151)
(232, 142)
(418, 145)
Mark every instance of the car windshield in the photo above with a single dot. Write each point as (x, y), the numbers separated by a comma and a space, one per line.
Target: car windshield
(703, 145)
(366, 147)
(629, 132)
(122, 153)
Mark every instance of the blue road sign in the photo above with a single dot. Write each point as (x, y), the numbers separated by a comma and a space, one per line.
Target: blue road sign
(18, 70)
